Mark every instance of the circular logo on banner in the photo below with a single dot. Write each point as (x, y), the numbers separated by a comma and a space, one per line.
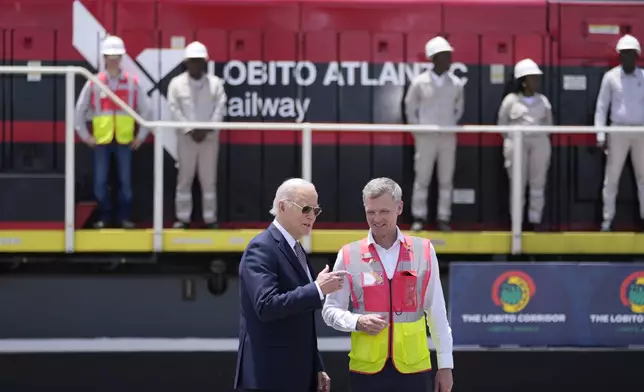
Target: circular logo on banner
(512, 290)
(632, 292)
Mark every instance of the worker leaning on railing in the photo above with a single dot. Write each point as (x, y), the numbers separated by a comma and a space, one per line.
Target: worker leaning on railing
(113, 131)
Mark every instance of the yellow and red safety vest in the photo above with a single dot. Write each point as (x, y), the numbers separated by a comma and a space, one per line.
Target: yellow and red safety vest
(109, 119)
(399, 300)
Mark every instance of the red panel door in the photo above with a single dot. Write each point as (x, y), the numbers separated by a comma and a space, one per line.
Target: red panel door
(132, 14)
(282, 46)
(321, 48)
(497, 56)
(245, 163)
(136, 25)
(388, 51)
(590, 31)
(465, 65)
(356, 158)
(32, 123)
(283, 102)
(244, 46)
(216, 42)
(355, 49)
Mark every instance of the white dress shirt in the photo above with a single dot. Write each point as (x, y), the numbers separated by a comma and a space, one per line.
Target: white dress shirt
(336, 314)
(623, 94)
(438, 79)
(291, 242)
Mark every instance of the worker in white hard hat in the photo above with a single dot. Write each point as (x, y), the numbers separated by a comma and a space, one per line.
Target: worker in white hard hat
(113, 131)
(524, 105)
(622, 90)
(434, 97)
(196, 96)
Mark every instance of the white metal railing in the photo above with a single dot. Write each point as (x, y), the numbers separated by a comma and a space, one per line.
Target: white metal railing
(307, 158)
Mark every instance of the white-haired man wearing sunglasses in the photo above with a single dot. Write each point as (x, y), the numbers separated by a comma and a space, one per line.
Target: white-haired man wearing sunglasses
(277, 337)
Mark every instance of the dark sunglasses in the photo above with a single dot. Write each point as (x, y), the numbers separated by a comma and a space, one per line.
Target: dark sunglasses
(307, 209)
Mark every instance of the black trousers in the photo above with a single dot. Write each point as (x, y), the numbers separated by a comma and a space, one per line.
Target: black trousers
(390, 380)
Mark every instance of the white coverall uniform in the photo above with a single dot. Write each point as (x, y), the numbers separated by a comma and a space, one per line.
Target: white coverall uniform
(434, 100)
(197, 100)
(517, 109)
(624, 94)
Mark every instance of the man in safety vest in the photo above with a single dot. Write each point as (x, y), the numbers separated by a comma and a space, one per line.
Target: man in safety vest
(197, 96)
(392, 281)
(113, 131)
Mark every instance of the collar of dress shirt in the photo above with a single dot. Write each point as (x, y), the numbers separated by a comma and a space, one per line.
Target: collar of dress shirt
(370, 239)
(289, 238)
(436, 76)
(117, 77)
(637, 73)
(197, 83)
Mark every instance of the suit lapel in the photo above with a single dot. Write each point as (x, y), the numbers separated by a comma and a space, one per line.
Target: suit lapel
(289, 253)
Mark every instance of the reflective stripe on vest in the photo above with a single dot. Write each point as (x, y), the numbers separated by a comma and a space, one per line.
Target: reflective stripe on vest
(108, 118)
(399, 300)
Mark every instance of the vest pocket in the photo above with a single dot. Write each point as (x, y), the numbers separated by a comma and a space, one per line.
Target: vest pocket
(368, 348)
(125, 129)
(375, 292)
(411, 338)
(405, 291)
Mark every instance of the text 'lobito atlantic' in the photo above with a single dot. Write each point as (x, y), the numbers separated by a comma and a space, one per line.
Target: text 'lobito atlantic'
(244, 103)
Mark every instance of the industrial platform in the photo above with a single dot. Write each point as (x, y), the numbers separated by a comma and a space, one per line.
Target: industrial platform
(322, 241)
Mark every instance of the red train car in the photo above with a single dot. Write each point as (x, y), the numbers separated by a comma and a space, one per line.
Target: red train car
(346, 61)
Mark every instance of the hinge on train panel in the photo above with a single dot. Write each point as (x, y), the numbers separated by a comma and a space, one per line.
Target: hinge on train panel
(188, 289)
(584, 29)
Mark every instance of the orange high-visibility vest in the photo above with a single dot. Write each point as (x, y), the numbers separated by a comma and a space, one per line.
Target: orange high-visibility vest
(399, 300)
(109, 120)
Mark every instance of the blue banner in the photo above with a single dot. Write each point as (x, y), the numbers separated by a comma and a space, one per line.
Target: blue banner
(547, 304)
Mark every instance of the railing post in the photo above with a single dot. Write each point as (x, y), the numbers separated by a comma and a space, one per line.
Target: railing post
(158, 190)
(307, 169)
(307, 153)
(516, 185)
(70, 164)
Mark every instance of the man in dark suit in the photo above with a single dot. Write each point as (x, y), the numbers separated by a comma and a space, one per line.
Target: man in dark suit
(277, 338)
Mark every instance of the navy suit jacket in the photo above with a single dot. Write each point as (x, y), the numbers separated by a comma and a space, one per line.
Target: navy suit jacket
(277, 339)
